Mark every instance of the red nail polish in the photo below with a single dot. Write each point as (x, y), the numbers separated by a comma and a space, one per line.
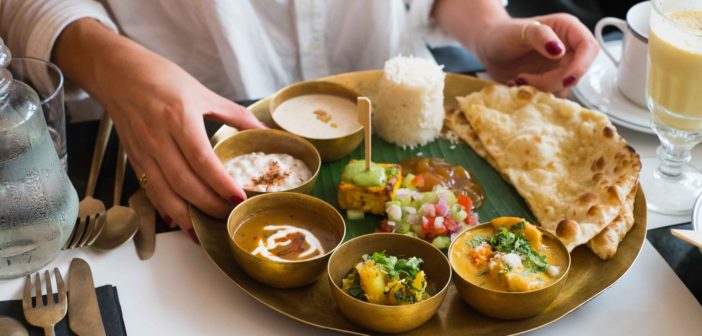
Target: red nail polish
(168, 220)
(570, 80)
(234, 199)
(193, 236)
(520, 81)
(553, 48)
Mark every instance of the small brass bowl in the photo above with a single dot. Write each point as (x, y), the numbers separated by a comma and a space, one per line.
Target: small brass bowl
(269, 142)
(387, 318)
(330, 149)
(291, 274)
(509, 305)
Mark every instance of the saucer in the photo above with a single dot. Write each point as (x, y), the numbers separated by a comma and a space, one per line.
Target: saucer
(597, 90)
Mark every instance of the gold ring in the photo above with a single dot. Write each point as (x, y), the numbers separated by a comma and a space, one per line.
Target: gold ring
(143, 180)
(526, 27)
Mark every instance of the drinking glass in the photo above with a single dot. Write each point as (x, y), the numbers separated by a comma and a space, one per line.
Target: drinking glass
(47, 80)
(674, 97)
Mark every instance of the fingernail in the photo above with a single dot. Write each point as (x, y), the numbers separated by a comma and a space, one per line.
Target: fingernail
(569, 81)
(510, 83)
(553, 48)
(193, 236)
(168, 220)
(520, 81)
(234, 199)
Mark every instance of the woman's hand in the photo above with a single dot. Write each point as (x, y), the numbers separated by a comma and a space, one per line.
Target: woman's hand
(553, 55)
(158, 111)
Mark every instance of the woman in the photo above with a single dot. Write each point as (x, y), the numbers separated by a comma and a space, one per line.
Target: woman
(179, 61)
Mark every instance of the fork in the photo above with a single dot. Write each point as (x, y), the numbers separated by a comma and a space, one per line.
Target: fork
(44, 315)
(91, 211)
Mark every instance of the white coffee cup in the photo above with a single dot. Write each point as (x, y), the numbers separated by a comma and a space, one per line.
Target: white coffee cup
(631, 66)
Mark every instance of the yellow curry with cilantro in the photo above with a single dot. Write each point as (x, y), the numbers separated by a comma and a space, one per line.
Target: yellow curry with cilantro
(388, 280)
(510, 254)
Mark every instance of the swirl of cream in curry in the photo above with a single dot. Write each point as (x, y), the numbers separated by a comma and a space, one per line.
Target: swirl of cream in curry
(285, 235)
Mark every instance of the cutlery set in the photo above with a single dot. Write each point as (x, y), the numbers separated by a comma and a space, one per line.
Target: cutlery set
(80, 301)
(105, 230)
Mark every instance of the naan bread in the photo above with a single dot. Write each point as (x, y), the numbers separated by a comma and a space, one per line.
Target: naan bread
(569, 164)
(605, 244)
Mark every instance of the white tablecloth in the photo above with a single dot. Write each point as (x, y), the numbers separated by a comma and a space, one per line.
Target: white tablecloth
(181, 292)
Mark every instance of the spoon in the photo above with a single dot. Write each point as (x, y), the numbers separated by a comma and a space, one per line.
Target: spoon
(91, 211)
(11, 327)
(121, 223)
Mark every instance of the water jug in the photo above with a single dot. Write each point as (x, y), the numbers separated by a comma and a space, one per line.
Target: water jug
(38, 203)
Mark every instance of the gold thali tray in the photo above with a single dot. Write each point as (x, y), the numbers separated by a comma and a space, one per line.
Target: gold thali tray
(314, 305)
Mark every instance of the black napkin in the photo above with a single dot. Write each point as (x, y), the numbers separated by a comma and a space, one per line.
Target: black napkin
(110, 310)
(684, 258)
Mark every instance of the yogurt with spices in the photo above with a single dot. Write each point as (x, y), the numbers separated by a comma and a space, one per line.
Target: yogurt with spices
(267, 172)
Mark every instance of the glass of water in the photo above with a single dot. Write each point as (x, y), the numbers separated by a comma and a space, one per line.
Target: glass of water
(47, 80)
(674, 97)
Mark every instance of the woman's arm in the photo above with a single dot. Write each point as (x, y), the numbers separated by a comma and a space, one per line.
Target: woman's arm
(551, 56)
(158, 111)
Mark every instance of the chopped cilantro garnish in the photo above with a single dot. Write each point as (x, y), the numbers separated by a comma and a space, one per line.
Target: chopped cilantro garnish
(355, 290)
(507, 241)
(396, 267)
(477, 241)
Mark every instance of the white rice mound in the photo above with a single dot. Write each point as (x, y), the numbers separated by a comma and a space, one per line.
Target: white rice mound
(409, 106)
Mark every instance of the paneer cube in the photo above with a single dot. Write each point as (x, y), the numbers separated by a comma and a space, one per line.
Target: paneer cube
(370, 199)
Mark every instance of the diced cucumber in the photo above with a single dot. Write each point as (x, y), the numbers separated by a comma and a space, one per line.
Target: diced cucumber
(441, 242)
(391, 203)
(411, 234)
(403, 228)
(447, 196)
(459, 216)
(407, 181)
(355, 214)
(394, 212)
(430, 197)
(416, 228)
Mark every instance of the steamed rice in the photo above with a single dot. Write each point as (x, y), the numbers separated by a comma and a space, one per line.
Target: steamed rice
(409, 107)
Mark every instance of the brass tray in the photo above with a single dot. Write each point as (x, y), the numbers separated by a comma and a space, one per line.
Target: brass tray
(589, 276)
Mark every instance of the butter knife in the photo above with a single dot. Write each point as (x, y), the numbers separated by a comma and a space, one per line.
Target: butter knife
(145, 238)
(83, 311)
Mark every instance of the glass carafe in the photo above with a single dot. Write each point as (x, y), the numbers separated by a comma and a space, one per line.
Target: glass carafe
(38, 203)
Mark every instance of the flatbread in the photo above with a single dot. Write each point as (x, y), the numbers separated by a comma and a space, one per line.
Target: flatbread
(572, 168)
(605, 244)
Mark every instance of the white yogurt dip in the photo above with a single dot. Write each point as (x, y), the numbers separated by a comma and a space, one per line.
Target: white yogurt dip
(267, 172)
(317, 116)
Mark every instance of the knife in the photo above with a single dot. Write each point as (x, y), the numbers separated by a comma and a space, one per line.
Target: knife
(83, 311)
(145, 238)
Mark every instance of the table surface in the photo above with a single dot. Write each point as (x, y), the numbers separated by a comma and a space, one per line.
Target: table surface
(180, 291)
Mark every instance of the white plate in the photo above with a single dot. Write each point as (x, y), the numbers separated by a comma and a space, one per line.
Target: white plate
(598, 90)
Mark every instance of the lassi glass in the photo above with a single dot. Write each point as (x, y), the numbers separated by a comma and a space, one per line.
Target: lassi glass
(674, 97)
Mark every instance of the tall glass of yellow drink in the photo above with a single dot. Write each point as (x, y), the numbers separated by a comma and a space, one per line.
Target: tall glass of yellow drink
(674, 97)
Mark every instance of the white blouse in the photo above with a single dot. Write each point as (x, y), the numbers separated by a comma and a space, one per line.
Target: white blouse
(240, 48)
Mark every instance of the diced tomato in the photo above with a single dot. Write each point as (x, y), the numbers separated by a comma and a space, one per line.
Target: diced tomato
(471, 220)
(451, 225)
(427, 224)
(418, 181)
(438, 228)
(384, 227)
(465, 202)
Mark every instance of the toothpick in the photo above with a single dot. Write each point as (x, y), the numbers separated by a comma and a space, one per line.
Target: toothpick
(364, 117)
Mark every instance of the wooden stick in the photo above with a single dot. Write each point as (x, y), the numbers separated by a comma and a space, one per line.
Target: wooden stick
(364, 117)
(692, 237)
